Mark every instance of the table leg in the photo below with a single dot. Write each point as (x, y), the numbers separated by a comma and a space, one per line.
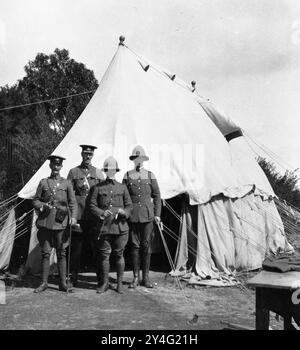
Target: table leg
(262, 313)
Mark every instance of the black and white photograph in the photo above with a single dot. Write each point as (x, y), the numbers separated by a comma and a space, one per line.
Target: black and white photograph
(149, 168)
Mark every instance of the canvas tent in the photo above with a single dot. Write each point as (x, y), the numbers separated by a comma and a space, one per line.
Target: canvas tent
(235, 222)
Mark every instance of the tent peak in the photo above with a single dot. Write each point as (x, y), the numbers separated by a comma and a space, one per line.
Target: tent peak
(122, 39)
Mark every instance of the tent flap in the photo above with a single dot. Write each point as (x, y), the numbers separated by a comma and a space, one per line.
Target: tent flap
(7, 236)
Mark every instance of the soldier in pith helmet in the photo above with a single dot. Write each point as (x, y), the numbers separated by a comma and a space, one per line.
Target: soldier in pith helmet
(56, 205)
(110, 203)
(83, 177)
(145, 195)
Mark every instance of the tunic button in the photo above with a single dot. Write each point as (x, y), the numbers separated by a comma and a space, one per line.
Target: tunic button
(139, 188)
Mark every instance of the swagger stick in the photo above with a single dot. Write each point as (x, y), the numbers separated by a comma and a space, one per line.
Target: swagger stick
(69, 258)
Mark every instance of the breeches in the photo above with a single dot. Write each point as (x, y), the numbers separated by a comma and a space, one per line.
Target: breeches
(49, 239)
(141, 236)
(114, 244)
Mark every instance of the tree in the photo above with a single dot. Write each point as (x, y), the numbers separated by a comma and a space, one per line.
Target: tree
(32, 132)
(54, 76)
(284, 186)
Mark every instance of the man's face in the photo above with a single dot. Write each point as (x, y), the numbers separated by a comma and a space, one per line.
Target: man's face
(111, 173)
(87, 157)
(138, 162)
(55, 167)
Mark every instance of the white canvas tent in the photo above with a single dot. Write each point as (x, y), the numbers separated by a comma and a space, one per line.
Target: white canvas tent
(138, 102)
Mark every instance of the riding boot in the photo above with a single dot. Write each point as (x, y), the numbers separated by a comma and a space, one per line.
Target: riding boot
(61, 265)
(120, 265)
(103, 277)
(43, 286)
(136, 269)
(74, 278)
(145, 269)
(45, 268)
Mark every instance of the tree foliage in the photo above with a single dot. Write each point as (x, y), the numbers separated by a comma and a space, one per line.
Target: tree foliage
(34, 131)
(284, 186)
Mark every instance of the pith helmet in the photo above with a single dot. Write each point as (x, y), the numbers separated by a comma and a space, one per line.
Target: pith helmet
(138, 152)
(110, 164)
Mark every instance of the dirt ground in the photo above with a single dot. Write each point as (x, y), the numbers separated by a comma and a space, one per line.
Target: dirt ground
(165, 307)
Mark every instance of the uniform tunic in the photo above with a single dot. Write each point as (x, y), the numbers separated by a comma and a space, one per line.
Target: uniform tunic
(143, 187)
(145, 194)
(58, 193)
(83, 179)
(112, 195)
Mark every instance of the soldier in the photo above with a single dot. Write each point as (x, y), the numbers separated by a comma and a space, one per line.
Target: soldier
(111, 204)
(83, 178)
(56, 203)
(142, 186)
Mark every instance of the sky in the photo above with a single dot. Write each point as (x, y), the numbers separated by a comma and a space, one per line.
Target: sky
(243, 54)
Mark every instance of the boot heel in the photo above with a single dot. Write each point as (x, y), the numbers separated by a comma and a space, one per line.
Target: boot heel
(102, 289)
(134, 283)
(120, 288)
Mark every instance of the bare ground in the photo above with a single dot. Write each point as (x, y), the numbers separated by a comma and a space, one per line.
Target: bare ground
(161, 308)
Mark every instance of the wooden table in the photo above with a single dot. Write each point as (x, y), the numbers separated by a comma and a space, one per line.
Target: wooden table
(274, 293)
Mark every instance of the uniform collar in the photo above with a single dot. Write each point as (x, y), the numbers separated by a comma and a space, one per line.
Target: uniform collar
(83, 166)
(110, 181)
(138, 169)
(55, 177)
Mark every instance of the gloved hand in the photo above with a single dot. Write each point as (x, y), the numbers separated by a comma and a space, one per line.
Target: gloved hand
(158, 222)
(121, 212)
(73, 221)
(107, 213)
(46, 206)
(157, 219)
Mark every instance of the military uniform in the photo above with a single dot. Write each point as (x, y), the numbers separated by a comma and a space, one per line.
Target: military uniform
(52, 221)
(83, 178)
(145, 195)
(142, 187)
(112, 230)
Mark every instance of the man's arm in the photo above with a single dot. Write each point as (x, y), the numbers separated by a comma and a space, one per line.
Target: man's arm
(70, 177)
(93, 204)
(155, 194)
(72, 201)
(127, 202)
(36, 201)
